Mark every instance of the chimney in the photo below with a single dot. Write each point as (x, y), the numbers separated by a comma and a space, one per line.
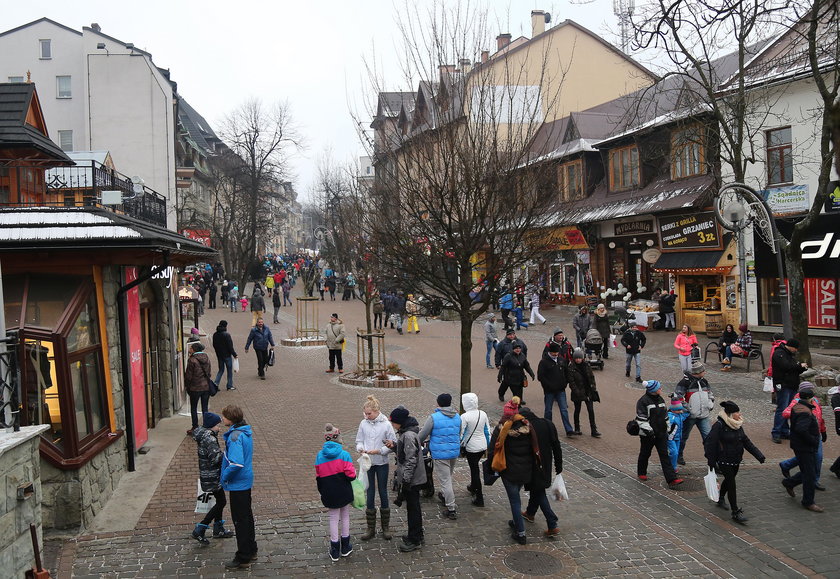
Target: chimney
(464, 64)
(485, 55)
(537, 22)
(446, 68)
(96, 27)
(502, 40)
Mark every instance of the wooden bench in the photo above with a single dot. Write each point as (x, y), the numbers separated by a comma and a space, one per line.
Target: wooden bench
(754, 353)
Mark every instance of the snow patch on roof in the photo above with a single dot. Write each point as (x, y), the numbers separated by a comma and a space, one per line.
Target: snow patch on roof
(37, 216)
(69, 233)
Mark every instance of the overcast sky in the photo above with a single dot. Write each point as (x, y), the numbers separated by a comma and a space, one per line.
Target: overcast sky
(310, 54)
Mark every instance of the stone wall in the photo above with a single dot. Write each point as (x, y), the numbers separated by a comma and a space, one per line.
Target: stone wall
(19, 465)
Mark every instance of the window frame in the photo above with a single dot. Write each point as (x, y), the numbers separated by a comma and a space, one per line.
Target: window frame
(14, 76)
(42, 42)
(58, 94)
(63, 132)
(779, 149)
(627, 153)
(563, 171)
(682, 166)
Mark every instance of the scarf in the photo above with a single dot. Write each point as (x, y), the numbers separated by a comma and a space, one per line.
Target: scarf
(731, 422)
(499, 461)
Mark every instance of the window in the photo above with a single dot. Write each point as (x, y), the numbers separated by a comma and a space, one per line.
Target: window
(46, 48)
(687, 153)
(571, 180)
(624, 168)
(65, 140)
(779, 156)
(15, 79)
(63, 87)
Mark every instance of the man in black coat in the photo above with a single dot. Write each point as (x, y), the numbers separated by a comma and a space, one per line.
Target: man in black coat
(506, 346)
(550, 452)
(804, 441)
(786, 371)
(652, 416)
(551, 373)
(633, 341)
(223, 346)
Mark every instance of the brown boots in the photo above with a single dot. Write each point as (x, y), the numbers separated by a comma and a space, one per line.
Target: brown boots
(385, 515)
(385, 520)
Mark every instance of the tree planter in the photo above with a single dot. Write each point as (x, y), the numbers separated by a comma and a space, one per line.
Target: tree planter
(393, 381)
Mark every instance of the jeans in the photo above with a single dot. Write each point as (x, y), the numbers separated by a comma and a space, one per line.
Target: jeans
(444, 468)
(807, 476)
(243, 523)
(781, 427)
(671, 320)
(276, 313)
(704, 425)
(792, 463)
(638, 360)
(560, 398)
(539, 500)
(204, 397)
(473, 459)
(286, 298)
(647, 444)
(491, 347)
(378, 477)
(729, 471)
(215, 514)
(225, 364)
(414, 514)
(377, 321)
(335, 357)
(512, 490)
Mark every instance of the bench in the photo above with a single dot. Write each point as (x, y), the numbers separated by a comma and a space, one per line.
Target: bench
(754, 353)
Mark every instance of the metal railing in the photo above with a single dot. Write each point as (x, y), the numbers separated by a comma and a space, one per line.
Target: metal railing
(79, 186)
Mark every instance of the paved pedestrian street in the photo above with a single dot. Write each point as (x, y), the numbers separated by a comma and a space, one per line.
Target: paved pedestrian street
(613, 525)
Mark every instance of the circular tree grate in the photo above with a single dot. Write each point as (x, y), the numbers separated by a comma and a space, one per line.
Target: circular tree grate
(533, 563)
(689, 485)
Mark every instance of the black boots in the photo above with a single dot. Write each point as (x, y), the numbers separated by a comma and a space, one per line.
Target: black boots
(219, 531)
(198, 534)
(738, 516)
(370, 517)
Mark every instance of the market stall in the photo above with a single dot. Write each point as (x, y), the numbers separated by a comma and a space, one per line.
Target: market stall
(645, 313)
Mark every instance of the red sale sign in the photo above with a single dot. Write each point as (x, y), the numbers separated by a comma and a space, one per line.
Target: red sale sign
(821, 301)
(135, 346)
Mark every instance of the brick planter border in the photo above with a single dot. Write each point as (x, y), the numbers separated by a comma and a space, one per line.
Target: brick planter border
(407, 382)
(295, 343)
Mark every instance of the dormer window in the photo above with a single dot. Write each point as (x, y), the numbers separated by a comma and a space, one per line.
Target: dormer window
(624, 168)
(687, 156)
(571, 180)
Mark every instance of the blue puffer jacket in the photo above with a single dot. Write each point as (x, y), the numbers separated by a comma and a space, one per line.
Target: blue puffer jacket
(237, 468)
(443, 429)
(506, 302)
(260, 339)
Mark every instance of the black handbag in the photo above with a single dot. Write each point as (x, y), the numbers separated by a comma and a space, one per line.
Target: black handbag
(489, 475)
(211, 385)
(270, 361)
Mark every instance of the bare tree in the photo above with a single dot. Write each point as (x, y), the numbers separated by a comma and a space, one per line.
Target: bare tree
(458, 193)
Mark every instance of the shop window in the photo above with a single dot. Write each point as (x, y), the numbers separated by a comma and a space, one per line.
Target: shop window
(779, 156)
(571, 180)
(687, 153)
(624, 168)
(63, 377)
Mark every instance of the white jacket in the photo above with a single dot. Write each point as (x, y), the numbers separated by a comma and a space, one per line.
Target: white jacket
(373, 434)
(475, 427)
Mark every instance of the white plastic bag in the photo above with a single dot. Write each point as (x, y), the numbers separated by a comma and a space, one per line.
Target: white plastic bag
(557, 490)
(203, 501)
(712, 490)
(364, 467)
(236, 364)
(768, 384)
(611, 340)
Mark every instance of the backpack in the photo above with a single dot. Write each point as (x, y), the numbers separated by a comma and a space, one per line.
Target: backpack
(700, 404)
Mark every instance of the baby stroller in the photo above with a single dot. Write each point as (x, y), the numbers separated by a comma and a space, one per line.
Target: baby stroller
(621, 324)
(593, 345)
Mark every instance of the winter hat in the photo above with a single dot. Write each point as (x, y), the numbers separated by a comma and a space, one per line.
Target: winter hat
(444, 400)
(516, 345)
(399, 415)
(223, 323)
(652, 386)
(554, 347)
(742, 328)
(697, 368)
(194, 331)
(557, 331)
(677, 404)
(730, 407)
(578, 354)
(331, 433)
(793, 343)
(511, 408)
(510, 332)
(631, 323)
(806, 388)
(334, 316)
(209, 420)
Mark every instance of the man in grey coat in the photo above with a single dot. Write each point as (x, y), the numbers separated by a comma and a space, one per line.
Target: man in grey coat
(410, 475)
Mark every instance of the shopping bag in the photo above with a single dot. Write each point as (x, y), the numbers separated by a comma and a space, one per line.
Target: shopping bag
(270, 361)
(489, 475)
(768, 384)
(712, 490)
(364, 467)
(359, 500)
(611, 340)
(204, 501)
(557, 490)
(695, 353)
(236, 364)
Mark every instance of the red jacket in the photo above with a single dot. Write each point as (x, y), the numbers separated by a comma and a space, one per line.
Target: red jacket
(684, 343)
(817, 412)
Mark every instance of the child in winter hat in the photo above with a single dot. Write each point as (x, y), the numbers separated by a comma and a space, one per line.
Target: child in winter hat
(332, 433)
(511, 408)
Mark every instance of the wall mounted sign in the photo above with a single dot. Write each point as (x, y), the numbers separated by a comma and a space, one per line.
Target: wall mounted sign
(790, 199)
(832, 202)
(651, 255)
(639, 227)
(696, 231)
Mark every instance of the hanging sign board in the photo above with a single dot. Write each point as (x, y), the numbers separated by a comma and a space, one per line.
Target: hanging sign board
(696, 231)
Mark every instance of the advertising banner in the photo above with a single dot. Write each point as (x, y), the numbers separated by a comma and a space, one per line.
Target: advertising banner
(785, 200)
(135, 347)
(696, 231)
(202, 236)
(821, 301)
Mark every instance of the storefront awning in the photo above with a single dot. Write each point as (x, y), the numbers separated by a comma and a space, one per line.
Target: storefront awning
(697, 262)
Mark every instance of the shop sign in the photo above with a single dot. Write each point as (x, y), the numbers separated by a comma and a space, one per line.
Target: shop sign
(201, 236)
(639, 227)
(832, 202)
(135, 345)
(651, 254)
(751, 271)
(790, 199)
(821, 302)
(697, 231)
(560, 238)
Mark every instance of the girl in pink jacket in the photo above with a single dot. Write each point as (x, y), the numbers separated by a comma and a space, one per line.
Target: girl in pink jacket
(685, 341)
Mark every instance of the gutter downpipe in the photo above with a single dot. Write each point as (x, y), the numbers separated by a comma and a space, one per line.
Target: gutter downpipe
(125, 354)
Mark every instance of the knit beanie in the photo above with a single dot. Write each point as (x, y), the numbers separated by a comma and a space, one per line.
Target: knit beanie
(511, 408)
(444, 400)
(194, 331)
(652, 386)
(332, 433)
(730, 407)
(399, 415)
(677, 404)
(806, 390)
(209, 420)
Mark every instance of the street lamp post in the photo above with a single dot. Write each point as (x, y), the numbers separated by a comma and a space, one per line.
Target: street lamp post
(737, 207)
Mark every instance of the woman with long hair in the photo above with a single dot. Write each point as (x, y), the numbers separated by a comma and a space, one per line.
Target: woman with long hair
(684, 343)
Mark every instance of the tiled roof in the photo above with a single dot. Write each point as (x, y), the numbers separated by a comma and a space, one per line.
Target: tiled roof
(197, 127)
(15, 133)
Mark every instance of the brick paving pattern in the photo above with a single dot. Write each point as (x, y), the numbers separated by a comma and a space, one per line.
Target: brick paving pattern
(613, 525)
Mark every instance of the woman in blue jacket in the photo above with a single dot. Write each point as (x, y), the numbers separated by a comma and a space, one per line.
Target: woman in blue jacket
(237, 480)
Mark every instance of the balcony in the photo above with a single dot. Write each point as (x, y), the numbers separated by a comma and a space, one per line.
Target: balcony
(79, 186)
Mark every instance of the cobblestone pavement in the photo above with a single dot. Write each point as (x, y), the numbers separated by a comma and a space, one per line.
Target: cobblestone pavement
(613, 525)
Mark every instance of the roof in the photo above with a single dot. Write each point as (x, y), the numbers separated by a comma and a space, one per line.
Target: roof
(91, 228)
(16, 99)
(197, 127)
(389, 105)
(34, 22)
